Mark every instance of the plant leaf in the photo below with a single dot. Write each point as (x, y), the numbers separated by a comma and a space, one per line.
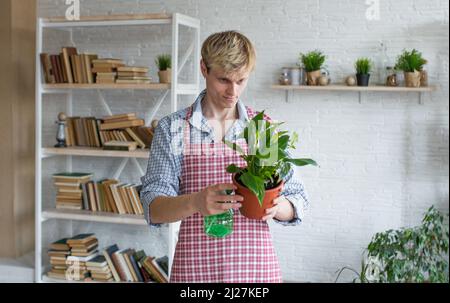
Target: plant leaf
(302, 162)
(255, 184)
(234, 146)
(233, 169)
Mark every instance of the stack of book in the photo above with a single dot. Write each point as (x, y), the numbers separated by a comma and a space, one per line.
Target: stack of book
(68, 66)
(83, 131)
(121, 121)
(106, 69)
(58, 253)
(110, 195)
(77, 258)
(99, 269)
(69, 192)
(93, 132)
(83, 248)
(125, 128)
(132, 75)
(130, 266)
(156, 268)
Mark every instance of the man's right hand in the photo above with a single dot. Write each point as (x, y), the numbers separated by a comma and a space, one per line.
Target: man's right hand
(210, 201)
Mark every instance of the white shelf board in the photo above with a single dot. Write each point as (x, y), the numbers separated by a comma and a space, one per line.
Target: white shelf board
(86, 215)
(93, 152)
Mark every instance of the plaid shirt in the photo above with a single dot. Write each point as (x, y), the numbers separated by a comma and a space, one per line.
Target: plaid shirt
(164, 166)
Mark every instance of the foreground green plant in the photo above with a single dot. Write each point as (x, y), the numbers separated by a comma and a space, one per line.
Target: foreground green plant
(267, 157)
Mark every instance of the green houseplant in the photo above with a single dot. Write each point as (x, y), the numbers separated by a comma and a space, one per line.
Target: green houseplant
(164, 64)
(268, 163)
(363, 68)
(411, 63)
(312, 62)
(416, 254)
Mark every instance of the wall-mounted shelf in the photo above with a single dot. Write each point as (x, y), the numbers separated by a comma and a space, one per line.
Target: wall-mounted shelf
(90, 216)
(360, 89)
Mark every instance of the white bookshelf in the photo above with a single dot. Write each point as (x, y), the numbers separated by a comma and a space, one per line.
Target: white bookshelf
(172, 91)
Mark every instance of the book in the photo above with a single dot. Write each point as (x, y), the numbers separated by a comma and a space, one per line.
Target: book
(132, 69)
(73, 63)
(135, 78)
(49, 77)
(135, 266)
(72, 176)
(120, 145)
(109, 196)
(119, 81)
(55, 68)
(81, 238)
(67, 52)
(126, 256)
(60, 245)
(127, 116)
(120, 265)
(88, 63)
(107, 61)
(117, 199)
(135, 136)
(107, 253)
(154, 270)
(98, 261)
(63, 68)
(121, 125)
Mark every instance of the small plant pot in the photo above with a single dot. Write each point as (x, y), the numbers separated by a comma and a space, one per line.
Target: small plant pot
(362, 79)
(312, 77)
(250, 206)
(165, 76)
(412, 79)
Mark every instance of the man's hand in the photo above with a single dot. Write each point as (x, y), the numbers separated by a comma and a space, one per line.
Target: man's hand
(210, 201)
(282, 210)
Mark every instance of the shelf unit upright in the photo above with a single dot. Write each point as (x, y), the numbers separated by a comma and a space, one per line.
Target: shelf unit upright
(175, 89)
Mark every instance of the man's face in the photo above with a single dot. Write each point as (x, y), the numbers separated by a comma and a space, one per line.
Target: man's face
(224, 89)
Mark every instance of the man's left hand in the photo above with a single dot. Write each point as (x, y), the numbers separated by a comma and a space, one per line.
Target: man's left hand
(282, 210)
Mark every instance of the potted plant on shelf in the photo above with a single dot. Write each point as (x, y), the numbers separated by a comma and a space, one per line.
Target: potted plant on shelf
(164, 64)
(312, 63)
(268, 163)
(363, 68)
(411, 63)
(416, 254)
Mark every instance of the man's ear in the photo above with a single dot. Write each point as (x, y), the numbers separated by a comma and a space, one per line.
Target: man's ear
(203, 68)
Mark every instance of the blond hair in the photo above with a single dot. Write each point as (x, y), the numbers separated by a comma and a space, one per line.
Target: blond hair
(230, 50)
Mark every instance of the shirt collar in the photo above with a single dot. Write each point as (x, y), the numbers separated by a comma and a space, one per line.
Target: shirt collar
(199, 121)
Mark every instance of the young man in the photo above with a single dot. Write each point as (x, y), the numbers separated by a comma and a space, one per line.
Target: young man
(183, 182)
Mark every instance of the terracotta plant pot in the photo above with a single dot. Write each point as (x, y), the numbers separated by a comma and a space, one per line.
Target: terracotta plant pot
(412, 79)
(250, 206)
(165, 76)
(312, 77)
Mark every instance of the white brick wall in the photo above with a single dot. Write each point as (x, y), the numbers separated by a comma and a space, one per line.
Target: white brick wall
(383, 162)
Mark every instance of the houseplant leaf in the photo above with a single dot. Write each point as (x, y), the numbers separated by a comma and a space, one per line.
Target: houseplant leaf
(255, 184)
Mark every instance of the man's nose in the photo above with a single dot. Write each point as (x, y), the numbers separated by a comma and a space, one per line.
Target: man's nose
(232, 89)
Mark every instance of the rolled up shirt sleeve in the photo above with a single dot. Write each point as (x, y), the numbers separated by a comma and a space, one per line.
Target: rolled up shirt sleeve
(163, 170)
(295, 192)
